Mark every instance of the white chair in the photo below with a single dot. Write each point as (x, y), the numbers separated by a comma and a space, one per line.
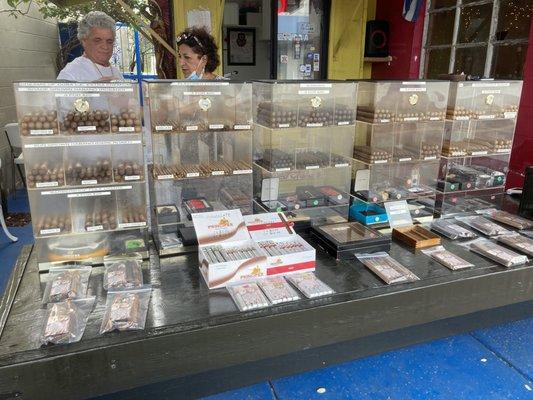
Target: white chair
(15, 143)
(2, 221)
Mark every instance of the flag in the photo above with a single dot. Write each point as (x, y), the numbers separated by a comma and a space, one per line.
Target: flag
(411, 9)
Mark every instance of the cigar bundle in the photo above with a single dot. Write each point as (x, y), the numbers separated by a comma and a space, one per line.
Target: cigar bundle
(45, 175)
(39, 123)
(126, 309)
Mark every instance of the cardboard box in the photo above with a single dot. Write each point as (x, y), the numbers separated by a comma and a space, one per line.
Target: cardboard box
(275, 228)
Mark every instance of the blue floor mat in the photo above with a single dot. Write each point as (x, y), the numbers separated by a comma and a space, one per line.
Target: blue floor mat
(261, 391)
(512, 342)
(454, 368)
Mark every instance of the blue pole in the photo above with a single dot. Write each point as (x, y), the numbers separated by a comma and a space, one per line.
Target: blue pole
(138, 63)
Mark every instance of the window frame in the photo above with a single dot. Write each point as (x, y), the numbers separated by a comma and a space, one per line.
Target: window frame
(490, 43)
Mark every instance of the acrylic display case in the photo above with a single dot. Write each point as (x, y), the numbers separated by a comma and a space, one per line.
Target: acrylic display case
(462, 180)
(483, 100)
(396, 101)
(299, 169)
(85, 169)
(397, 147)
(201, 152)
(477, 145)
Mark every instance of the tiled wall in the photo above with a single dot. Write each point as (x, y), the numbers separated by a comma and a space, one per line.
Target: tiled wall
(28, 49)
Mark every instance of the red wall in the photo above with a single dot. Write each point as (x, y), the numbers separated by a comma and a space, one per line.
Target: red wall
(522, 154)
(405, 42)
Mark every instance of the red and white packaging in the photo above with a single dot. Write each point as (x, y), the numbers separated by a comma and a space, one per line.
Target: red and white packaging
(272, 232)
(225, 231)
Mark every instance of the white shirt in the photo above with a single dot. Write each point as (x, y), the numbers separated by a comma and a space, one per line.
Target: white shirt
(82, 69)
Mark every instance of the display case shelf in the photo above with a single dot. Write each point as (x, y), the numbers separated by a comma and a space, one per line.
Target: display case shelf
(85, 171)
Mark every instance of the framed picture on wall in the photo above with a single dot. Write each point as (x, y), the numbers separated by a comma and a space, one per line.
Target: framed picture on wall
(241, 46)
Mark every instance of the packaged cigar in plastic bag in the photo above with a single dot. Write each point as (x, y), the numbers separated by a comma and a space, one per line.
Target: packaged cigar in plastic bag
(65, 321)
(123, 273)
(508, 219)
(447, 258)
(495, 252)
(484, 225)
(248, 296)
(278, 290)
(67, 282)
(126, 309)
(518, 242)
(310, 285)
(451, 230)
(387, 268)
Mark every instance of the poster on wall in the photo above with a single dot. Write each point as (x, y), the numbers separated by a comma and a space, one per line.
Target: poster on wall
(241, 46)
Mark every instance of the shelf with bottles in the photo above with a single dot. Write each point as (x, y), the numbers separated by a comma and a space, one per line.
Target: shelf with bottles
(292, 104)
(484, 100)
(397, 101)
(198, 106)
(378, 183)
(470, 173)
(478, 137)
(54, 108)
(83, 161)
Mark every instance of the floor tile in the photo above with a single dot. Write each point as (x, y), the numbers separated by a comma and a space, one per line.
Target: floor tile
(513, 342)
(454, 368)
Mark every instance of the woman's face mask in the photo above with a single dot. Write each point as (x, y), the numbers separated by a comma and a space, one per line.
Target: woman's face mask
(194, 76)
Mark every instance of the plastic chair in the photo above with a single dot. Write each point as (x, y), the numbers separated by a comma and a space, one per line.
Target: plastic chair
(2, 220)
(15, 143)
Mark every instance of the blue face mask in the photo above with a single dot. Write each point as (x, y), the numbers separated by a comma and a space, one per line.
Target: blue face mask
(194, 77)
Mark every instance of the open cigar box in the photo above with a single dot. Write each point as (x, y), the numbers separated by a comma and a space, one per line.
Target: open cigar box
(416, 236)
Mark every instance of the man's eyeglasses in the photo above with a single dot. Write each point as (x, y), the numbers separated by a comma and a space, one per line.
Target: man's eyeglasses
(186, 36)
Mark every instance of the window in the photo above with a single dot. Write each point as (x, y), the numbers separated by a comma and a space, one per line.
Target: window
(128, 44)
(485, 38)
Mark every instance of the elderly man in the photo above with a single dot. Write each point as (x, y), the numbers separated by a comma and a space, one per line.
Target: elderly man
(96, 32)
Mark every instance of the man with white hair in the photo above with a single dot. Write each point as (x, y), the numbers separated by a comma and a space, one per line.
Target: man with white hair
(96, 32)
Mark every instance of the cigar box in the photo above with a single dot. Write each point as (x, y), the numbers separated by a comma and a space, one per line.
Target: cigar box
(226, 252)
(416, 236)
(167, 214)
(286, 251)
(343, 240)
(368, 213)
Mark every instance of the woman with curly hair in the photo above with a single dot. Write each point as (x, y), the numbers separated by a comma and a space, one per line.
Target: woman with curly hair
(198, 56)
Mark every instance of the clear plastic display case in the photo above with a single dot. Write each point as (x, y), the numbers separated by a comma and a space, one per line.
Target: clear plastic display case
(398, 144)
(201, 151)
(86, 183)
(478, 137)
(397, 101)
(299, 168)
(477, 145)
(483, 100)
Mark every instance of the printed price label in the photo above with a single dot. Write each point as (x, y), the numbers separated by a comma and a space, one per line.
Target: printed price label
(380, 161)
(132, 225)
(462, 118)
(217, 173)
(193, 174)
(190, 128)
(509, 114)
(126, 129)
(163, 127)
(312, 167)
(405, 159)
(242, 171)
(430, 158)
(341, 165)
(491, 116)
(46, 184)
(241, 127)
(41, 131)
(343, 123)
(95, 228)
(283, 125)
(132, 177)
(216, 126)
(86, 128)
(89, 182)
(315, 125)
(162, 177)
(409, 119)
(49, 231)
(282, 169)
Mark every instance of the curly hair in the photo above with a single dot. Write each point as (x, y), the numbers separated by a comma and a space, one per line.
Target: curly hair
(94, 19)
(202, 43)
